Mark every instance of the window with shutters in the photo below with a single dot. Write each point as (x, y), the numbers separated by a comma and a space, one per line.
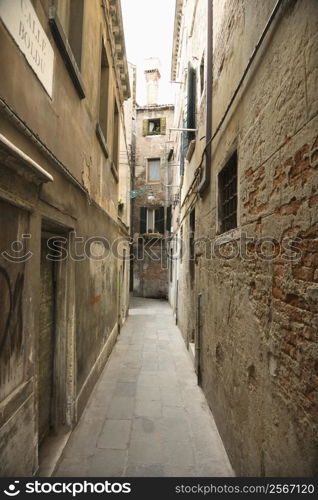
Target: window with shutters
(154, 126)
(228, 195)
(153, 170)
(189, 116)
(152, 220)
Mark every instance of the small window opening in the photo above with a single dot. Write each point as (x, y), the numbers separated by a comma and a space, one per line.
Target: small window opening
(228, 195)
(154, 126)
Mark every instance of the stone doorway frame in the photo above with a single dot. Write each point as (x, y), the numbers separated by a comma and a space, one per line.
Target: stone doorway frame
(63, 411)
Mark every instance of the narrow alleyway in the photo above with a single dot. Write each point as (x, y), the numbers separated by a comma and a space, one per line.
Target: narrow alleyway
(146, 416)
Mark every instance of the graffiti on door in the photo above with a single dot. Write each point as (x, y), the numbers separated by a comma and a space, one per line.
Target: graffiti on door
(11, 320)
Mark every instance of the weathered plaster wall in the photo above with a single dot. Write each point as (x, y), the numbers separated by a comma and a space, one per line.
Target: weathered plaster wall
(81, 201)
(259, 339)
(150, 273)
(192, 50)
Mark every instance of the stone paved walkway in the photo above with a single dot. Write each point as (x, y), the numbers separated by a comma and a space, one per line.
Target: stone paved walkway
(146, 416)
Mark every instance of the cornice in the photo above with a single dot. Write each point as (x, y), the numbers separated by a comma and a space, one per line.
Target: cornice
(176, 37)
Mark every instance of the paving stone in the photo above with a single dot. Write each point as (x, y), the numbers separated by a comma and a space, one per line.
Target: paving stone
(107, 463)
(154, 470)
(126, 389)
(143, 426)
(149, 368)
(72, 467)
(147, 393)
(180, 471)
(178, 453)
(128, 375)
(121, 408)
(148, 380)
(174, 429)
(147, 416)
(150, 409)
(83, 439)
(171, 397)
(115, 435)
(147, 452)
(173, 411)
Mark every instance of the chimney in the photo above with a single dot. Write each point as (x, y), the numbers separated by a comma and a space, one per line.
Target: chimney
(152, 74)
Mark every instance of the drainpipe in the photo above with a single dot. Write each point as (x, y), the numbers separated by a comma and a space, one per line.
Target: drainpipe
(205, 181)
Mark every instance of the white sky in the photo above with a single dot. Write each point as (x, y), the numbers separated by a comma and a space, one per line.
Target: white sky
(148, 26)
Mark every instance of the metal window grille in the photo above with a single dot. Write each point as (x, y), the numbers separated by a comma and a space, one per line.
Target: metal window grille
(228, 194)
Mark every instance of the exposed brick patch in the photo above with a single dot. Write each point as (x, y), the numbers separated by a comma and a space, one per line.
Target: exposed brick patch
(315, 144)
(300, 169)
(290, 208)
(314, 157)
(303, 273)
(305, 317)
(249, 174)
(279, 175)
(313, 201)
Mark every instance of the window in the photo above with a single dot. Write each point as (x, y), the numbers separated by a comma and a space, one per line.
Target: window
(115, 141)
(181, 243)
(153, 174)
(104, 92)
(152, 220)
(202, 75)
(70, 14)
(228, 195)
(169, 218)
(192, 246)
(102, 125)
(66, 22)
(154, 126)
(171, 263)
(191, 102)
(189, 116)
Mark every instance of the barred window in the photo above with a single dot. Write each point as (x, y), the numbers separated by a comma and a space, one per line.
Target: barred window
(228, 195)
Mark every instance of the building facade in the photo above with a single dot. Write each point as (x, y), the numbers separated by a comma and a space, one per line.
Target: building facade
(150, 194)
(189, 72)
(247, 280)
(63, 241)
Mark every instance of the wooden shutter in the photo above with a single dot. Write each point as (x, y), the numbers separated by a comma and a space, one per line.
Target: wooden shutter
(160, 220)
(143, 220)
(163, 126)
(169, 214)
(184, 147)
(191, 107)
(145, 127)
